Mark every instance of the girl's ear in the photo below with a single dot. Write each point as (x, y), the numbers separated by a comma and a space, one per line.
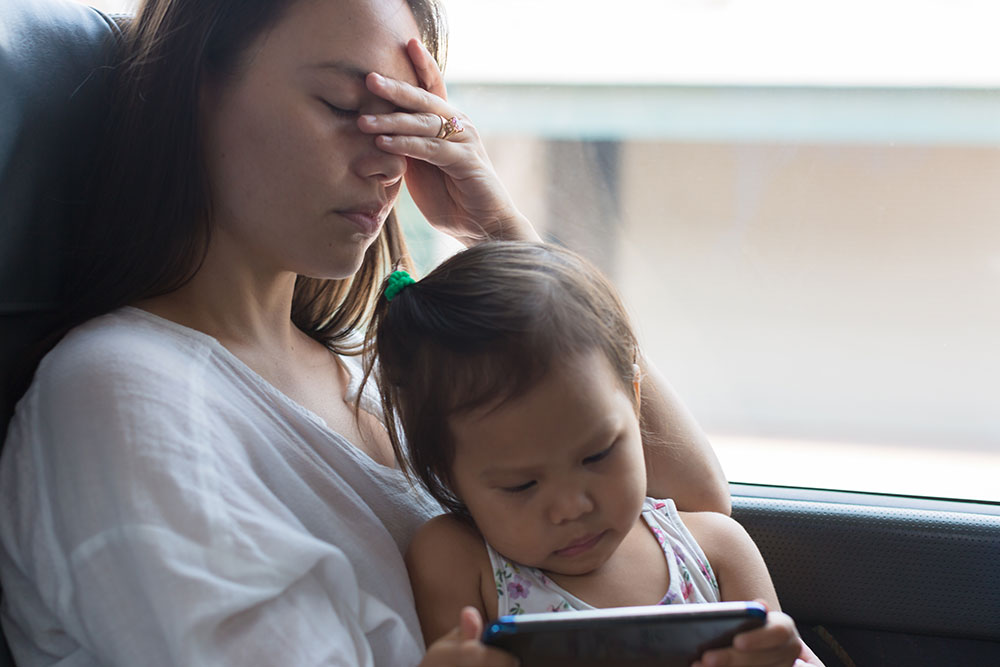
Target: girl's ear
(637, 382)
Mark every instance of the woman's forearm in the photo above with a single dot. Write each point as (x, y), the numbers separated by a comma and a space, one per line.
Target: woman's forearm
(680, 461)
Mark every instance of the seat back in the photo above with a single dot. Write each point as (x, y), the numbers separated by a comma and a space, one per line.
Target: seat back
(54, 57)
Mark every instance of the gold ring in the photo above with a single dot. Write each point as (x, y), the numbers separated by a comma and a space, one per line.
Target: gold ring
(449, 127)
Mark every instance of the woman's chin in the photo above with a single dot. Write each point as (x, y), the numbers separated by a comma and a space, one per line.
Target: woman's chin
(342, 268)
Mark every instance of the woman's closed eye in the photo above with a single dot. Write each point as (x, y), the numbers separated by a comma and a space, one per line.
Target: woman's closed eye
(340, 112)
(599, 456)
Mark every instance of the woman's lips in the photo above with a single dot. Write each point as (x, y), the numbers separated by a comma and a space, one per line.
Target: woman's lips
(578, 547)
(369, 222)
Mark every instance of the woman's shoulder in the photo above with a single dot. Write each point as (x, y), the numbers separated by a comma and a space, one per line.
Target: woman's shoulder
(122, 345)
(128, 334)
(113, 364)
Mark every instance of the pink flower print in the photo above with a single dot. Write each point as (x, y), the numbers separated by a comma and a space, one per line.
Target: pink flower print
(708, 573)
(518, 587)
(660, 536)
(686, 587)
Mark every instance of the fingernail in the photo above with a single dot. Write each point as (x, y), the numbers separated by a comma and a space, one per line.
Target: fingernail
(378, 77)
(386, 139)
(371, 120)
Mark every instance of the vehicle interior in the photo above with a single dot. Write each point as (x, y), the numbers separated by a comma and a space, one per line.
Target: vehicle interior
(873, 576)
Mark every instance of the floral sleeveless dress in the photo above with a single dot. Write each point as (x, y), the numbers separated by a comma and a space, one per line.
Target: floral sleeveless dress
(523, 590)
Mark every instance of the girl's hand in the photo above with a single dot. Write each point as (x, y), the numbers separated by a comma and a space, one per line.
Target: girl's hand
(461, 647)
(451, 179)
(777, 644)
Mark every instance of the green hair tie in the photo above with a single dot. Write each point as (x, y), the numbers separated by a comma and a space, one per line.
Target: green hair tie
(397, 281)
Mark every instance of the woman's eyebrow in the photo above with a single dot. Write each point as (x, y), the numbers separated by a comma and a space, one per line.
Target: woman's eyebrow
(350, 69)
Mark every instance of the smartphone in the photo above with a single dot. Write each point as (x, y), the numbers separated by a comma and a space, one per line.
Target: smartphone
(664, 636)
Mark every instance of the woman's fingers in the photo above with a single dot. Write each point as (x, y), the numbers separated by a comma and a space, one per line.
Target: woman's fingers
(406, 96)
(430, 97)
(427, 69)
(429, 150)
(416, 135)
(448, 174)
(411, 124)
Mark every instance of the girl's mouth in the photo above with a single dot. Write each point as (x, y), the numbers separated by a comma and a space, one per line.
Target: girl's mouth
(580, 546)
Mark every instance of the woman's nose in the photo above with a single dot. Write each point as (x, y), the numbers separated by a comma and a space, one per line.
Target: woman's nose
(570, 505)
(376, 163)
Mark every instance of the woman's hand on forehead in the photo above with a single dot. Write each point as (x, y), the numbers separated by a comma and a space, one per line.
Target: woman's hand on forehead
(449, 174)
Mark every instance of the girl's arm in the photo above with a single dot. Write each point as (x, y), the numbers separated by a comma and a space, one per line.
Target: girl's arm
(742, 575)
(447, 563)
(680, 463)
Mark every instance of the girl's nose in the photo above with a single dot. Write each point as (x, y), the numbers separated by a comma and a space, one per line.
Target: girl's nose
(570, 505)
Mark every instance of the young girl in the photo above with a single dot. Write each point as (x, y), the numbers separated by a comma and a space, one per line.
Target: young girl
(513, 370)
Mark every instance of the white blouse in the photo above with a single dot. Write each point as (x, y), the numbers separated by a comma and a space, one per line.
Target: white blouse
(162, 504)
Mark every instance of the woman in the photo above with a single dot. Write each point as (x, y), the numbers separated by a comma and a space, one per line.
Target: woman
(185, 481)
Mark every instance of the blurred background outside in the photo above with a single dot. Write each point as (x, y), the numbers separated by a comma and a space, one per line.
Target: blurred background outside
(798, 200)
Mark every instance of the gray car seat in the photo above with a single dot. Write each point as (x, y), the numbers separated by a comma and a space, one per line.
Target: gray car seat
(54, 57)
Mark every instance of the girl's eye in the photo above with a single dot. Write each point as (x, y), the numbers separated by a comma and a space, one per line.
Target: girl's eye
(519, 488)
(599, 456)
(337, 111)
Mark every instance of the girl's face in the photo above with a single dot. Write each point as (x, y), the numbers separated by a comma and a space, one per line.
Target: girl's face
(555, 478)
(296, 186)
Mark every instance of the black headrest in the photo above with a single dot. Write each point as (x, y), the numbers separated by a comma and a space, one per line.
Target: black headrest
(54, 59)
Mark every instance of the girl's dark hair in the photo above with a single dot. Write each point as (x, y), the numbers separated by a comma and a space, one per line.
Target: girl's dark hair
(485, 326)
(149, 221)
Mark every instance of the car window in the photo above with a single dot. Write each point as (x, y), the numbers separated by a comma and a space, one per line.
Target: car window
(797, 201)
